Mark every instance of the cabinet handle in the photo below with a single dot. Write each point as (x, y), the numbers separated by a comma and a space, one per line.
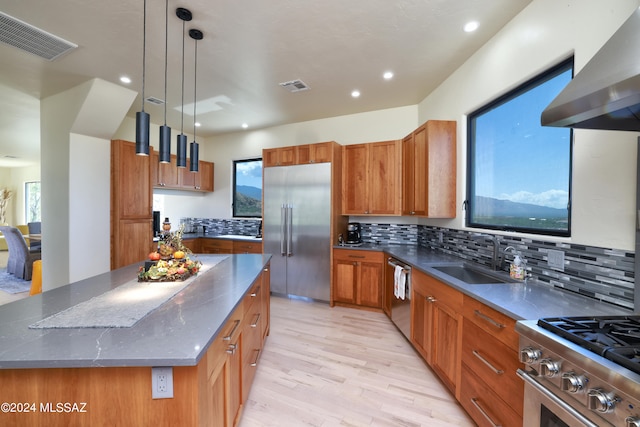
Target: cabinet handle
(495, 370)
(266, 269)
(233, 331)
(255, 361)
(255, 294)
(357, 256)
(488, 319)
(431, 299)
(255, 323)
(483, 412)
(231, 349)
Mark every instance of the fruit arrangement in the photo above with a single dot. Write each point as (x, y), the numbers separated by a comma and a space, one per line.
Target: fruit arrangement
(170, 262)
(173, 270)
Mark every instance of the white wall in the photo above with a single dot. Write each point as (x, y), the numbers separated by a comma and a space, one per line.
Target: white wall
(604, 162)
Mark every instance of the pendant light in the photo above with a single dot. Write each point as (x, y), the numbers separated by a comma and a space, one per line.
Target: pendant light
(181, 140)
(165, 131)
(142, 117)
(194, 149)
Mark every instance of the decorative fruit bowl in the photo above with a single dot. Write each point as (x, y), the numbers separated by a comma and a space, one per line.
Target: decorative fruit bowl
(170, 263)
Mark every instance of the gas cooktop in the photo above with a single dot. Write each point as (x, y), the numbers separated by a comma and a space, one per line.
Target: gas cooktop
(616, 338)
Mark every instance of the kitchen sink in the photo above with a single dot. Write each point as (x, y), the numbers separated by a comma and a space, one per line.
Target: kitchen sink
(470, 275)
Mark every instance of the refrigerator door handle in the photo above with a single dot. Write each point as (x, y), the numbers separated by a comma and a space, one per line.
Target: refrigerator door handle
(289, 230)
(283, 229)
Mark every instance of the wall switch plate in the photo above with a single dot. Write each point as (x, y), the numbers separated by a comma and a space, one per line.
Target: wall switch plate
(555, 259)
(162, 383)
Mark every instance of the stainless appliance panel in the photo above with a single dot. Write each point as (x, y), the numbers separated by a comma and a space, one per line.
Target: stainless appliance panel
(296, 229)
(400, 308)
(272, 233)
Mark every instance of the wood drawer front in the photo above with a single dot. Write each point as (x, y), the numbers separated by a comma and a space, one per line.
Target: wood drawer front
(434, 288)
(358, 255)
(213, 245)
(484, 354)
(495, 323)
(481, 402)
(241, 247)
(229, 335)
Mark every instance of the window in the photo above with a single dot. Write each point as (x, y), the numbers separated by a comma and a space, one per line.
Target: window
(247, 188)
(519, 172)
(32, 201)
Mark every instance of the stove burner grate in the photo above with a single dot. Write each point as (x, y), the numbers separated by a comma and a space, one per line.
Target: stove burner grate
(616, 338)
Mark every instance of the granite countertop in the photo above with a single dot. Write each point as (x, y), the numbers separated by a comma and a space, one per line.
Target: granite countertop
(521, 300)
(177, 333)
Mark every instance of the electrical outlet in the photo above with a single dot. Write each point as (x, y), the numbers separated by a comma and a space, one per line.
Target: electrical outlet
(555, 259)
(162, 383)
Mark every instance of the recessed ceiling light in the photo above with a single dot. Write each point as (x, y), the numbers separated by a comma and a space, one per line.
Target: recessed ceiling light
(244, 126)
(125, 79)
(197, 124)
(355, 93)
(388, 75)
(471, 26)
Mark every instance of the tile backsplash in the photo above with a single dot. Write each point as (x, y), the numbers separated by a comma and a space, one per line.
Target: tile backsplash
(244, 227)
(599, 273)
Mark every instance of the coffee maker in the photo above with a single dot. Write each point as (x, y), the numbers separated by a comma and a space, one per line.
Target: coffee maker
(353, 233)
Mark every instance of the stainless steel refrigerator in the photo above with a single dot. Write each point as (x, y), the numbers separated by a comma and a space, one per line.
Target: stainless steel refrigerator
(296, 229)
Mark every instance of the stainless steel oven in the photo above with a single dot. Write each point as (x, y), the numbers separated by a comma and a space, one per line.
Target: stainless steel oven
(400, 302)
(581, 371)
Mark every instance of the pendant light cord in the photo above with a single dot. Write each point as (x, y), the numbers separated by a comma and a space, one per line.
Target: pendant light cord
(182, 114)
(195, 77)
(166, 47)
(144, 45)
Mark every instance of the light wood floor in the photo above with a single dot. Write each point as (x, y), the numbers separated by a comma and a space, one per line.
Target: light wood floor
(325, 366)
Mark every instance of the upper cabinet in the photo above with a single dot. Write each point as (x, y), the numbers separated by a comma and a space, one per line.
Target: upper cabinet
(371, 178)
(321, 152)
(168, 176)
(429, 170)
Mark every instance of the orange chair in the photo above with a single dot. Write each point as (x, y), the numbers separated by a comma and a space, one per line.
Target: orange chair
(36, 278)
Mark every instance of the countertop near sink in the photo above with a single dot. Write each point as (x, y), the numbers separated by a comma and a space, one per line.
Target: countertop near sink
(530, 300)
(221, 236)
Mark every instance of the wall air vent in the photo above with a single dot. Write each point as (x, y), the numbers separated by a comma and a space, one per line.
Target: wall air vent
(295, 86)
(154, 100)
(31, 39)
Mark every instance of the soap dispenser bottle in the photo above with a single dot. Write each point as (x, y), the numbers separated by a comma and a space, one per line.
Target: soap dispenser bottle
(517, 269)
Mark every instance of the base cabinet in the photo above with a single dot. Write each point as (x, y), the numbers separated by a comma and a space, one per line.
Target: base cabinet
(437, 326)
(358, 278)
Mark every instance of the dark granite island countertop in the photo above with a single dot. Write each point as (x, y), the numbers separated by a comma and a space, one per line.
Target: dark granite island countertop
(177, 333)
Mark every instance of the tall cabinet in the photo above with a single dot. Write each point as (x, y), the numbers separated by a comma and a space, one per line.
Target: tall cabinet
(131, 205)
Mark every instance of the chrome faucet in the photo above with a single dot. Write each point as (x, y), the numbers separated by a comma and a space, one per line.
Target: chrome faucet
(495, 259)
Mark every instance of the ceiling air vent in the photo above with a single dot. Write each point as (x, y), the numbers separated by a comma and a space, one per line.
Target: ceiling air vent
(295, 86)
(154, 100)
(31, 39)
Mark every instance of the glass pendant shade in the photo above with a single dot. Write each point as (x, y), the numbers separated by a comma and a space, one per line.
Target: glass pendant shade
(165, 144)
(193, 161)
(142, 133)
(181, 150)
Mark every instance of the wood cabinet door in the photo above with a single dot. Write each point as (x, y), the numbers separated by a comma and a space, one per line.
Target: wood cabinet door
(408, 164)
(303, 154)
(131, 181)
(441, 161)
(369, 292)
(445, 359)
(419, 193)
(186, 178)
(204, 177)
(168, 173)
(345, 276)
(355, 180)
(269, 157)
(384, 178)
(421, 323)
(321, 152)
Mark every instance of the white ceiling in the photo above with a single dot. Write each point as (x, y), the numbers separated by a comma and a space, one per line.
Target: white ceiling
(249, 47)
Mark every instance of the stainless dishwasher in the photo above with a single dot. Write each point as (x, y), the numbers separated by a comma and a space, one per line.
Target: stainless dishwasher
(400, 308)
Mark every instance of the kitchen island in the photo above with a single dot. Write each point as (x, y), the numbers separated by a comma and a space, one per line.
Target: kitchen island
(102, 376)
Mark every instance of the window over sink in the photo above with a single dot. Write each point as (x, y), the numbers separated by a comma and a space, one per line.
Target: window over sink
(519, 172)
(247, 188)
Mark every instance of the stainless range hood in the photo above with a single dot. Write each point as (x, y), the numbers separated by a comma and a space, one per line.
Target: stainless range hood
(605, 94)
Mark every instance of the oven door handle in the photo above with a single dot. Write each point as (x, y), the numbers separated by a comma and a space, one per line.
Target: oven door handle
(555, 399)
